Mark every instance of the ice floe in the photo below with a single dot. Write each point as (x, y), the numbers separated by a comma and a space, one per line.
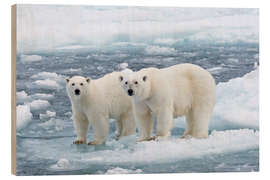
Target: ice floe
(48, 115)
(157, 50)
(30, 58)
(118, 170)
(46, 84)
(38, 105)
(24, 116)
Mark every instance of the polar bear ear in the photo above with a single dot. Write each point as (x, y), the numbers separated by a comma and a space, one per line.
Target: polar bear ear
(67, 80)
(144, 78)
(88, 80)
(121, 78)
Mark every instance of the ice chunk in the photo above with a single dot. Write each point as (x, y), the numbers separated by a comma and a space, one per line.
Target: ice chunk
(22, 97)
(48, 115)
(46, 84)
(38, 104)
(215, 70)
(119, 170)
(157, 50)
(30, 58)
(24, 116)
(48, 80)
(123, 66)
(42, 96)
(238, 102)
(55, 124)
(100, 68)
(61, 164)
(48, 75)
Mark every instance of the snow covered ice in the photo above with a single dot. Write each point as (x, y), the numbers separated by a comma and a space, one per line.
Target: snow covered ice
(223, 41)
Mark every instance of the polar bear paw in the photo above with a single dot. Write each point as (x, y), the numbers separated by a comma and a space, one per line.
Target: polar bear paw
(160, 138)
(95, 142)
(145, 139)
(78, 141)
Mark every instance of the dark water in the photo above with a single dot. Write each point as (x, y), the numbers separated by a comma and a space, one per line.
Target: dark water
(224, 61)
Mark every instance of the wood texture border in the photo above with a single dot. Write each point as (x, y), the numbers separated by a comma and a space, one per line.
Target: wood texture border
(13, 86)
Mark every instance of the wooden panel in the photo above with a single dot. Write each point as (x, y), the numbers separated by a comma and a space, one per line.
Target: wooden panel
(13, 88)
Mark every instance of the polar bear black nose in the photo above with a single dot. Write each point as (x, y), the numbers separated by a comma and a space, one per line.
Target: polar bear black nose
(77, 92)
(130, 92)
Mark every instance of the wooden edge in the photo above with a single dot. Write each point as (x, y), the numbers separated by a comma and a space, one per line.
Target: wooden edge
(13, 86)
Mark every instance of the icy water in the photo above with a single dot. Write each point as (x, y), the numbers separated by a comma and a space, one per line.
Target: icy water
(45, 136)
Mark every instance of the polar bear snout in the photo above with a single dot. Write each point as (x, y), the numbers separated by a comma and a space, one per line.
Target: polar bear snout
(130, 92)
(77, 92)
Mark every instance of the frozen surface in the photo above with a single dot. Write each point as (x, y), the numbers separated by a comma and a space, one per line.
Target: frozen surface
(119, 170)
(223, 41)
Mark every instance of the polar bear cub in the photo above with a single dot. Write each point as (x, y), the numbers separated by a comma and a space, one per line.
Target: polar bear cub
(180, 90)
(94, 102)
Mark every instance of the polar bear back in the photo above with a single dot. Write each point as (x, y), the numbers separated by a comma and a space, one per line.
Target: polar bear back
(186, 85)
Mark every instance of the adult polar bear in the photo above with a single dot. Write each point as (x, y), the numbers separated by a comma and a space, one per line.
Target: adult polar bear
(94, 102)
(183, 89)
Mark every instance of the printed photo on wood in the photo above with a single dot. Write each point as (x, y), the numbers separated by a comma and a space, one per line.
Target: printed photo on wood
(134, 90)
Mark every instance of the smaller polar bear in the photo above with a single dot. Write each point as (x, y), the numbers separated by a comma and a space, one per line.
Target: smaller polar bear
(180, 90)
(94, 102)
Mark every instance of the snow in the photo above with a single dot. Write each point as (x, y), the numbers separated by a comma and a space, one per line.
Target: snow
(30, 58)
(176, 148)
(144, 153)
(24, 116)
(238, 102)
(38, 105)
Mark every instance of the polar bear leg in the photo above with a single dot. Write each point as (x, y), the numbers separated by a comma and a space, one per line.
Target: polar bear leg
(101, 129)
(119, 127)
(128, 125)
(145, 121)
(81, 124)
(164, 124)
(197, 123)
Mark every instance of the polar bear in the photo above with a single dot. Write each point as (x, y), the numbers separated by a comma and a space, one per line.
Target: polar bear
(180, 90)
(94, 102)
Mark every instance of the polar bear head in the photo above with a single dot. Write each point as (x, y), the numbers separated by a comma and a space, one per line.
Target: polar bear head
(136, 84)
(77, 87)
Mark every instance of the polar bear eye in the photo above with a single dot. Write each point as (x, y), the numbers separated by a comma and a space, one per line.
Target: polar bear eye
(126, 82)
(136, 82)
(73, 84)
(81, 84)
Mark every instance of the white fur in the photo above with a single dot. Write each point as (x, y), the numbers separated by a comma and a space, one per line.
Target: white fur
(98, 101)
(180, 90)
